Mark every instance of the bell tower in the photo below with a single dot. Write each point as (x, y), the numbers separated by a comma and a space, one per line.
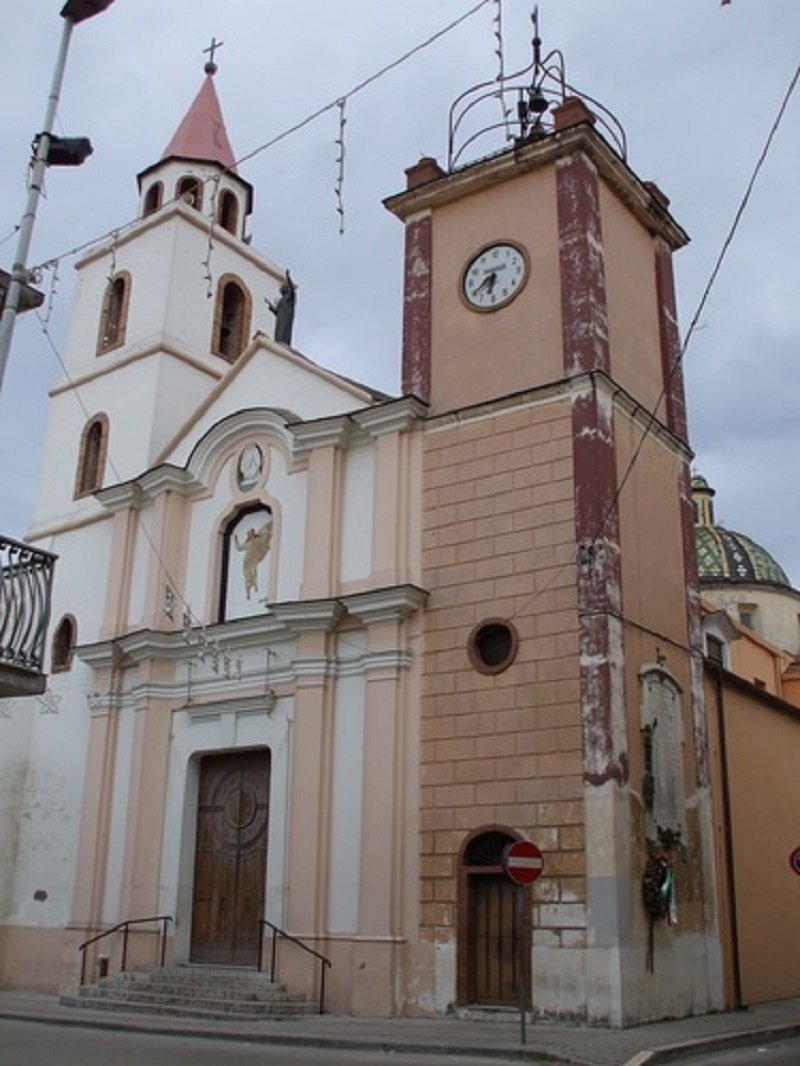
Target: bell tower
(540, 328)
(164, 307)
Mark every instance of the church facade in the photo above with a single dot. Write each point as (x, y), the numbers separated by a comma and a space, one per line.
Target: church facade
(320, 655)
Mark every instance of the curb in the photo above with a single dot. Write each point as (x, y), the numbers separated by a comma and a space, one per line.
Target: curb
(717, 1042)
(340, 1043)
(164, 1025)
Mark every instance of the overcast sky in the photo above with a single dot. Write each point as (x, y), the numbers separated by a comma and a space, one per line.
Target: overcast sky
(695, 83)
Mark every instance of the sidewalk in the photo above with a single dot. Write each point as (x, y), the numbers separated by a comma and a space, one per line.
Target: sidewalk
(546, 1042)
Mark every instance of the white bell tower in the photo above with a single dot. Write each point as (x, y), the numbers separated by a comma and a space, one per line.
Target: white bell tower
(163, 310)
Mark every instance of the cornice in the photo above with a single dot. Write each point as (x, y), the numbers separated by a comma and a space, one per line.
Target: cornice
(177, 209)
(304, 616)
(279, 622)
(241, 706)
(110, 362)
(138, 491)
(336, 431)
(385, 605)
(238, 426)
(396, 416)
(555, 149)
(566, 389)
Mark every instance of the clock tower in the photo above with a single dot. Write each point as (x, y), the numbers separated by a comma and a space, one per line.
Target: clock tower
(561, 678)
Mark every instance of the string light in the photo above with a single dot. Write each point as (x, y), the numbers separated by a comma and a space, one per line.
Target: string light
(360, 87)
(340, 163)
(112, 268)
(211, 217)
(51, 296)
(677, 362)
(340, 103)
(586, 550)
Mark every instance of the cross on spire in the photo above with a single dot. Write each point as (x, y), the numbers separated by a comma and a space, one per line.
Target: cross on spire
(211, 66)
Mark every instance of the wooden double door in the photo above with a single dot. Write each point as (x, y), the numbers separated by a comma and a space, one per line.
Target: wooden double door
(494, 962)
(490, 924)
(230, 857)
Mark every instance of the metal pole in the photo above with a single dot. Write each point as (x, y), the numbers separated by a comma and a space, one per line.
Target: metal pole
(19, 272)
(521, 944)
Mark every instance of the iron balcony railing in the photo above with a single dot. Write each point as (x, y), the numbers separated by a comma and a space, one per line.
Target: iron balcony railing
(26, 576)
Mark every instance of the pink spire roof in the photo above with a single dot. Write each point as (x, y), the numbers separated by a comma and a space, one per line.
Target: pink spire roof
(202, 133)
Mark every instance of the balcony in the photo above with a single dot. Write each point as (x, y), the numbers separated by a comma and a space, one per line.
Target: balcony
(26, 576)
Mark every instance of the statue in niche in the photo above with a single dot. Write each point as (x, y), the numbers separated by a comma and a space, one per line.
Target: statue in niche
(254, 547)
(283, 309)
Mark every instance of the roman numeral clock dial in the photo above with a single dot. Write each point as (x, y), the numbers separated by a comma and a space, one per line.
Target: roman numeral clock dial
(493, 277)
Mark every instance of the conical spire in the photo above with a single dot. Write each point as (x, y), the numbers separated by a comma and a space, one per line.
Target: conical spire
(202, 133)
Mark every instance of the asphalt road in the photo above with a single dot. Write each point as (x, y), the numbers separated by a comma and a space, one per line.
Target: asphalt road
(770, 1053)
(35, 1044)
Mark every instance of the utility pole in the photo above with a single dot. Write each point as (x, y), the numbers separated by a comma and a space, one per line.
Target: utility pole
(71, 152)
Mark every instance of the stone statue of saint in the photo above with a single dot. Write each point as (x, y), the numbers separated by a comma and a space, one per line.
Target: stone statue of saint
(283, 309)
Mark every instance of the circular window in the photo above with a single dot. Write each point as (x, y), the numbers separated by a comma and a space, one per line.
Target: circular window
(492, 645)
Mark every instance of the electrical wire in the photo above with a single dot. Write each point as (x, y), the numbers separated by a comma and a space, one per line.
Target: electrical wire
(652, 419)
(336, 103)
(652, 415)
(726, 244)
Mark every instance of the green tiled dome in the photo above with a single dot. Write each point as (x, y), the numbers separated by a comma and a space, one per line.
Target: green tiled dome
(726, 556)
(723, 555)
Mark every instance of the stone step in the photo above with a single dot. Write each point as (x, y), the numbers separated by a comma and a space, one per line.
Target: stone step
(197, 986)
(181, 993)
(192, 991)
(214, 1010)
(203, 976)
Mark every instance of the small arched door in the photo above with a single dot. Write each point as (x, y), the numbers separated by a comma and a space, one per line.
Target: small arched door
(488, 945)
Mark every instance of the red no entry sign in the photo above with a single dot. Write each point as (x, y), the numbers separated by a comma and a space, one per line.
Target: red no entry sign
(794, 860)
(523, 862)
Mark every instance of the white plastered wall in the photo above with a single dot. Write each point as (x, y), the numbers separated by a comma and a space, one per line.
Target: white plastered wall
(346, 796)
(39, 889)
(357, 507)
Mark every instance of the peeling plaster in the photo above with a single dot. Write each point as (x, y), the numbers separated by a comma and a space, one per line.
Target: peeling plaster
(417, 309)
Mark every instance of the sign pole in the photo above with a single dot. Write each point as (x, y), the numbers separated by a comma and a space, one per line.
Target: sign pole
(523, 862)
(521, 953)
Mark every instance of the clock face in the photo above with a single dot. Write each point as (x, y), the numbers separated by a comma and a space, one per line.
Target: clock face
(493, 277)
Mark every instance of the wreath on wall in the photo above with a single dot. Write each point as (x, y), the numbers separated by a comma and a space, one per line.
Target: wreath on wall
(658, 896)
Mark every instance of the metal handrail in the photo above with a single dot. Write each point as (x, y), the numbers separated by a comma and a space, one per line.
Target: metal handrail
(276, 932)
(162, 936)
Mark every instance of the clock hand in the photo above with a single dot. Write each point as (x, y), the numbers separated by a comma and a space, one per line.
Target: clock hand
(488, 282)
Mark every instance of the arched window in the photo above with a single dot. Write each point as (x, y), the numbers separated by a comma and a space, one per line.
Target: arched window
(228, 215)
(247, 543)
(114, 316)
(153, 198)
(63, 647)
(190, 191)
(231, 318)
(92, 458)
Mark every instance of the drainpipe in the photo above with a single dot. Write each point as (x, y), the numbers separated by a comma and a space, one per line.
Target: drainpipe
(728, 831)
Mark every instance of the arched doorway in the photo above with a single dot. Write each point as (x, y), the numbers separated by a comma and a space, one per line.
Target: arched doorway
(488, 949)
